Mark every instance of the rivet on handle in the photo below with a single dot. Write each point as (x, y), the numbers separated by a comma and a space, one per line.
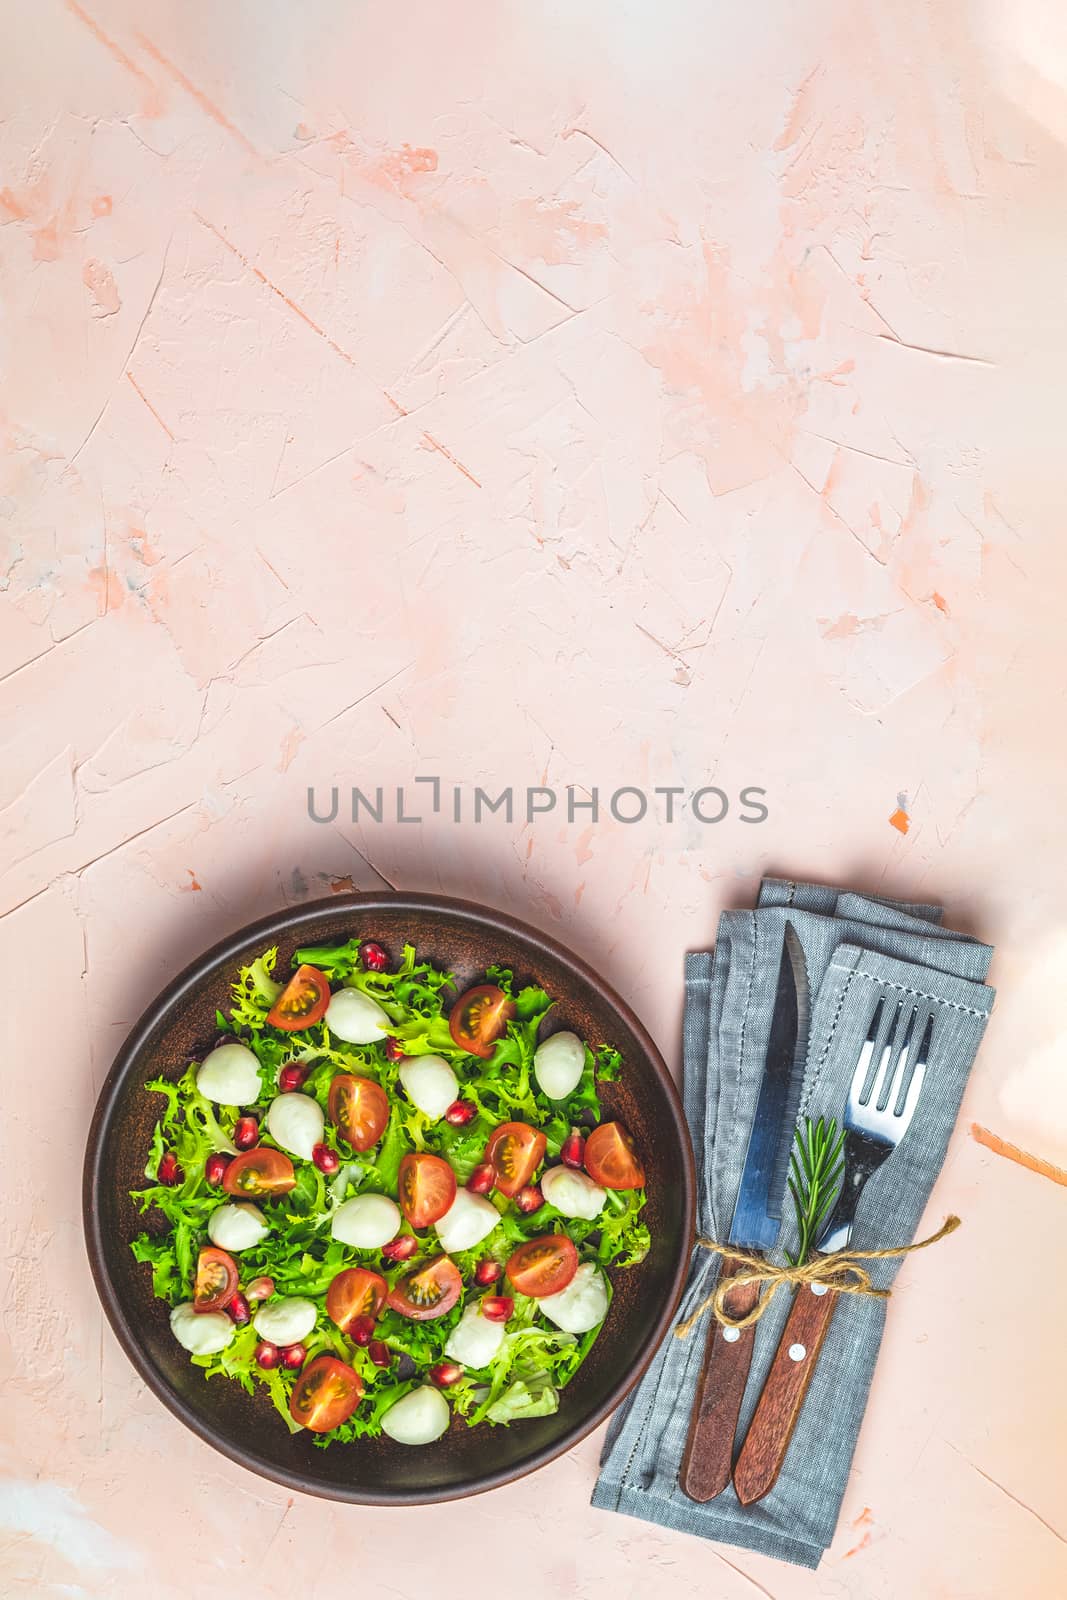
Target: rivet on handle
(819, 1288)
(797, 1352)
(731, 1335)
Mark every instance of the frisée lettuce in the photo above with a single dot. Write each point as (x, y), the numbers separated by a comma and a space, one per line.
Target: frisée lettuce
(383, 1316)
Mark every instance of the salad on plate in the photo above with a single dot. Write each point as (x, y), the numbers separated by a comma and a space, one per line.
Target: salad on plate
(387, 1205)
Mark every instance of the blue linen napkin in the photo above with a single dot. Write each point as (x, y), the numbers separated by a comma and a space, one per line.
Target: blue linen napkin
(857, 948)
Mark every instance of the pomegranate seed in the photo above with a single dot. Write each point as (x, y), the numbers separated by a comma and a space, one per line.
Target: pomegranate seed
(573, 1152)
(459, 1113)
(214, 1167)
(267, 1355)
(169, 1170)
(394, 1051)
(497, 1307)
(402, 1248)
(529, 1198)
(260, 1289)
(482, 1178)
(292, 1076)
(373, 957)
(446, 1373)
(380, 1353)
(239, 1310)
(246, 1133)
(487, 1272)
(362, 1330)
(294, 1355)
(325, 1159)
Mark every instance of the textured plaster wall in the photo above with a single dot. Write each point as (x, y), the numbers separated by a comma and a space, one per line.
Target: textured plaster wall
(590, 393)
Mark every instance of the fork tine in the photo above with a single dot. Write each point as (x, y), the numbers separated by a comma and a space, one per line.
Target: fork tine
(872, 1095)
(863, 1062)
(891, 1086)
(915, 1086)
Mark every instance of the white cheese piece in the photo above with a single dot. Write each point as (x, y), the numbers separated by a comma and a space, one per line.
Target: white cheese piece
(474, 1341)
(469, 1219)
(581, 1305)
(558, 1065)
(572, 1193)
(202, 1333)
(430, 1084)
(296, 1122)
(237, 1226)
(357, 1019)
(287, 1321)
(229, 1075)
(419, 1418)
(366, 1222)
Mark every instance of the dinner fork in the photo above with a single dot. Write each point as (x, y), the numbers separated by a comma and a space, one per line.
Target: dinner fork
(878, 1112)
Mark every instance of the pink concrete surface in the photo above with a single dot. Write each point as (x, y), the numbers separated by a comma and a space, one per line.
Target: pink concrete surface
(590, 393)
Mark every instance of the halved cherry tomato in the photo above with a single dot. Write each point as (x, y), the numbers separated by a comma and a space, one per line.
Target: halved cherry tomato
(259, 1174)
(426, 1187)
(543, 1266)
(356, 1292)
(430, 1291)
(479, 1018)
(610, 1158)
(325, 1394)
(515, 1151)
(216, 1280)
(302, 1002)
(359, 1108)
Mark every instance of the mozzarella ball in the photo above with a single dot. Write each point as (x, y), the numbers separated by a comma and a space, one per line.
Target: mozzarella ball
(296, 1122)
(581, 1305)
(419, 1418)
(366, 1222)
(237, 1226)
(558, 1065)
(572, 1193)
(202, 1333)
(229, 1075)
(357, 1019)
(474, 1341)
(287, 1321)
(430, 1084)
(468, 1220)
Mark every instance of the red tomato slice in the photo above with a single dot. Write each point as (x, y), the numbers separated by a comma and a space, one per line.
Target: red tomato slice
(259, 1174)
(515, 1151)
(355, 1292)
(216, 1280)
(302, 1002)
(326, 1394)
(543, 1266)
(359, 1109)
(426, 1187)
(479, 1018)
(610, 1158)
(430, 1291)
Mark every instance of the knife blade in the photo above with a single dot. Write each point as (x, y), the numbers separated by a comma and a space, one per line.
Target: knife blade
(708, 1460)
(758, 1208)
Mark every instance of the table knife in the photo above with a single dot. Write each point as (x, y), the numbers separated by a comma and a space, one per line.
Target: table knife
(708, 1459)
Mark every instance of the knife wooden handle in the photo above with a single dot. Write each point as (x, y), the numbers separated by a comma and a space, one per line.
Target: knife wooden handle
(709, 1451)
(771, 1428)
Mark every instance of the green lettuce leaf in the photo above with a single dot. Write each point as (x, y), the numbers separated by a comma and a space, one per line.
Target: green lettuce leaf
(536, 1360)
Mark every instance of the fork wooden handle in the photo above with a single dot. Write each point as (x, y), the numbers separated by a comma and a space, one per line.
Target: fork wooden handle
(771, 1428)
(709, 1451)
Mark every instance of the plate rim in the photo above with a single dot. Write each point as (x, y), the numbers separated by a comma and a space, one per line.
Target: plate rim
(288, 920)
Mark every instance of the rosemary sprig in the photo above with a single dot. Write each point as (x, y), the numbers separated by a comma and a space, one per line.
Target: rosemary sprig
(815, 1168)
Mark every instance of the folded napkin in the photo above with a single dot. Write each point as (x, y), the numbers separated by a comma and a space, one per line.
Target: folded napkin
(858, 948)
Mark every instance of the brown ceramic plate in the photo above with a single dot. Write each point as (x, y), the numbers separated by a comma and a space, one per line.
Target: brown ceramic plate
(179, 1026)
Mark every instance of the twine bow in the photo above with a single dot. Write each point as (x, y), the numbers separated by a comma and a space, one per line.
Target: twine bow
(841, 1270)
